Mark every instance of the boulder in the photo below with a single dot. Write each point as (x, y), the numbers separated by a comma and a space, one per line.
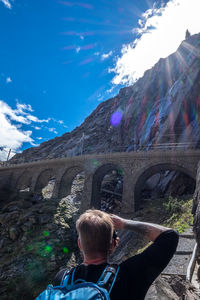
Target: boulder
(14, 233)
(172, 287)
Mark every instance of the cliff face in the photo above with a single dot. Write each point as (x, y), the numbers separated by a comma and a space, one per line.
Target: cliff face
(196, 213)
(196, 210)
(161, 107)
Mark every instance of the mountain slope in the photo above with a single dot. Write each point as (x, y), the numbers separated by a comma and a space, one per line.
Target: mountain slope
(161, 107)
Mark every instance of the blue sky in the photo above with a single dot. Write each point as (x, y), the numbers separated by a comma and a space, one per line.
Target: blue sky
(60, 59)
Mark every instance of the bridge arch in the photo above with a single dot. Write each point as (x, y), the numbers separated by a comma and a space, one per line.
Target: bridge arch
(98, 177)
(24, 181)
(44, 178)
(6, 182)
(67, 180)
(149, 171)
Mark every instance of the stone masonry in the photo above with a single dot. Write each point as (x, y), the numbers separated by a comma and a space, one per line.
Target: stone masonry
(136, 168)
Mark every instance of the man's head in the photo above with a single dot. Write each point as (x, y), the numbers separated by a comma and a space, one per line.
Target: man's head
(95, 229)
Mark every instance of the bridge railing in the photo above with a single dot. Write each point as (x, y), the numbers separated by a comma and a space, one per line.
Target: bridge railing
(127, 148)
(154, 147)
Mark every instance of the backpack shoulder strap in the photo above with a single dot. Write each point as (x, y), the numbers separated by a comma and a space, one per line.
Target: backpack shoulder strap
(68, 277)
(108, 277)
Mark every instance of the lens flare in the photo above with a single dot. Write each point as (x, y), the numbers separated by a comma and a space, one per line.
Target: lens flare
(171, 119)
(70, 47)
(88, 47)
(86, 61)
(48, 248)
(157, 116)
(46, 233)
(168, 71)
(128, 112)
(65, 250)
(116, 118)
(120, 171)
(95, 162)
(80, 4)
(29, 248)
(142, 117)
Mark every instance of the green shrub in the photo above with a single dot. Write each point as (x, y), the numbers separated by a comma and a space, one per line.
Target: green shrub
(173, 205)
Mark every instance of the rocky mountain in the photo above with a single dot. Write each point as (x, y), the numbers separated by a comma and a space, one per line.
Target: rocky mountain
(162, 109)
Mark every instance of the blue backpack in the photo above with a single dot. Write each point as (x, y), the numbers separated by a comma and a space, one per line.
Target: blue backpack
(81, 289)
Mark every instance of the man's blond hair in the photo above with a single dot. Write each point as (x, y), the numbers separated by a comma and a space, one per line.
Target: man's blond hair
(95, 229)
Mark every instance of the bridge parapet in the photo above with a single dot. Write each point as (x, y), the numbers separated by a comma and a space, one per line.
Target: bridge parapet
(135, 166)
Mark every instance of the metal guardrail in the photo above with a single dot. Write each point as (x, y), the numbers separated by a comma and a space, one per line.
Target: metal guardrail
(166, 146)
(127, 148)
(191, 266)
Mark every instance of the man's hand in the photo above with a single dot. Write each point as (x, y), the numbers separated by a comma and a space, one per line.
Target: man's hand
(118, 222)
(148, 230)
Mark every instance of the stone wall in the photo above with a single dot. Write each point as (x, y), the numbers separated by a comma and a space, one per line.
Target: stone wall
(135, 167)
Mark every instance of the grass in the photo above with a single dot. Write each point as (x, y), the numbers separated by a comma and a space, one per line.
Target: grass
(170, 212)
(181, 217)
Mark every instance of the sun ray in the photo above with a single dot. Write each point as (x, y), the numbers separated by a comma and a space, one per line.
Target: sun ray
(171, 120)
(86, 61)
(193, 50)
(74, 33)
(128, 112)
(68, 62)
(92, 22)
(142, 117)
(85, 47)
(168, 71)
(80, 4)
(183, 64)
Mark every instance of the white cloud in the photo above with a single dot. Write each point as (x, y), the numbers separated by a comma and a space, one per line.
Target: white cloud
(11, 120)
(12, 137)
(20, 115)
(110, 90)
(81, 37)
(60, 122)
(52, 130)
(35, 119)
(106, 55)
(100, 98)
(7, 3)
(13, 115)
(78, 49)
(8, 80)
(161, 32)
(21, 108)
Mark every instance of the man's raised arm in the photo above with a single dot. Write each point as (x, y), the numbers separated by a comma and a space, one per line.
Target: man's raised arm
(147, 230)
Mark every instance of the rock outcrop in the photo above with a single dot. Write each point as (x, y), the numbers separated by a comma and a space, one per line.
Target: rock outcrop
(196, 212)
(173, 287)
(36, 238)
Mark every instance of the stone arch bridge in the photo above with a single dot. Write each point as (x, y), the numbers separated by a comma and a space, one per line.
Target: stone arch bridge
(135, 167)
